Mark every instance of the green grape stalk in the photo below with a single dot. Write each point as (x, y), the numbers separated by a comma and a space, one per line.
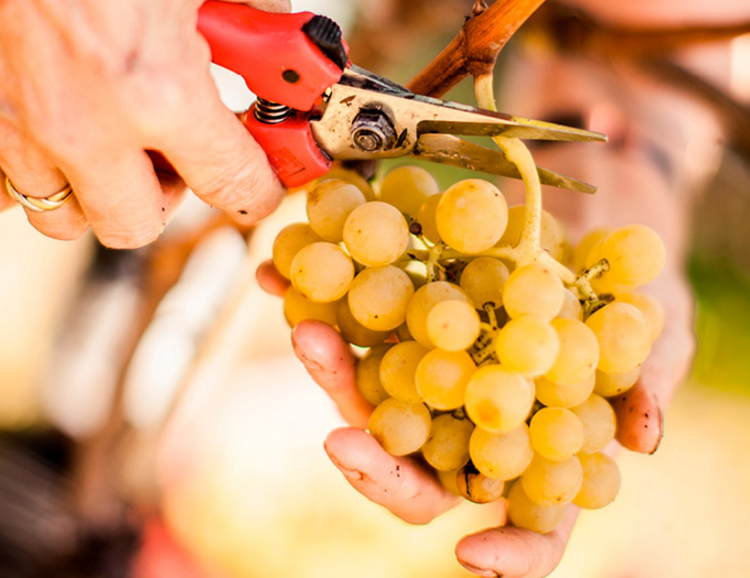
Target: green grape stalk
(491, 348)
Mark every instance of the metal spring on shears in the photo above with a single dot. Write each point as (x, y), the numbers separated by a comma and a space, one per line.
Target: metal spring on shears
(271, 112)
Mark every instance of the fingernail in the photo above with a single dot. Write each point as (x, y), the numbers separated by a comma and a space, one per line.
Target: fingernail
(480, 571)
(349, 474)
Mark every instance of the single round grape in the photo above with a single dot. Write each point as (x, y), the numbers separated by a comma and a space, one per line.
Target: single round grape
(426, 219)
(453, 325)
(527, 344)
(523, 513)
(581, 252)
(556, 395)
(502, 456)
(398, 370)
(322, 272)
(599, 423)
(552, 482)
(471, 215)
(329, 204)
(497, 399)
(551, 234)
(556, 433)
(424, 299)
(601, 481)
(650, 307)
(483, 280)
(407, 188)
(288, 243)
(376, 234)
(635, 253)
(353, 331)
(624, 336)
(447, 448)
(368, 375)
(379, 296)
(478, 488)
(571, 307)
(353, 178)
(612, 384)
(297, 308)
(533, 289)
(579, 352)
(442, 376)
(400, 427)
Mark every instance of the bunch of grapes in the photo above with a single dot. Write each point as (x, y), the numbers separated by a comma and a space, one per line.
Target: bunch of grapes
(492, 346)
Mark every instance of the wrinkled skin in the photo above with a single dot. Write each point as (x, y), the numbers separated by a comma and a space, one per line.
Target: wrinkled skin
(89, 86)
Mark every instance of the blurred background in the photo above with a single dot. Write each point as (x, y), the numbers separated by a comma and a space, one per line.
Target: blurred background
(155, 422)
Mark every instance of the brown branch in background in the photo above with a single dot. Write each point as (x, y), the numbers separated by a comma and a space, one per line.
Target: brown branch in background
(651, 50)
(475, 48)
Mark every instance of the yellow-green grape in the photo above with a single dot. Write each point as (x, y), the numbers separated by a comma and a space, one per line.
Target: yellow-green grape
(400, 427)
(523, 513)
(502, 456)
(483, 280)
(376, 234)
(571, 307)
(556, 395)
(579, 352)
(533, 290)
(447, 448)
(442, 377)
(453, 325)
(353, 331)
(424, 299)
(407, 187)
(379, 296)
(471, 215)
(449, 480)
(426, 218)
(398, 370)
(527, 344)
(551, 234)
(288, 243)
(599, 423)
(650, 307)
(556, 433)
(635, 253)
(322, 272)
(612, 384)
(624, 336)
(478, 488)
(601, 481)
(498, 400)
(552, 482)
(353, 178)
(329, 204)
(580, 254)
(368, 375)
(297, 308)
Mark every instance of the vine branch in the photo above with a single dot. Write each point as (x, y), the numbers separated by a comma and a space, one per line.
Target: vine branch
(475, 48)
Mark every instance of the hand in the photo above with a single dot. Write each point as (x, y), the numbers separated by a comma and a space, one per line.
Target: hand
(88, 87)
(413, 493)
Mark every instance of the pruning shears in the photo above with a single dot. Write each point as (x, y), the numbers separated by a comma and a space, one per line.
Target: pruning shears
(314, 106)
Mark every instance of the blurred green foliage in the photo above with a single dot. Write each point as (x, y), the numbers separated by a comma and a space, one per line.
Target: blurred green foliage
(722, 323)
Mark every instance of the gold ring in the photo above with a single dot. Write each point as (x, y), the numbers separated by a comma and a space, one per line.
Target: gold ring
(40, 204)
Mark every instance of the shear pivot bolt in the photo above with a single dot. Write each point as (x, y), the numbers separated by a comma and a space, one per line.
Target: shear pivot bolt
(372, 131)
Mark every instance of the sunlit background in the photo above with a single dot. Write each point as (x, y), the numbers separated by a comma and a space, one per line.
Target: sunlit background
(105, 357)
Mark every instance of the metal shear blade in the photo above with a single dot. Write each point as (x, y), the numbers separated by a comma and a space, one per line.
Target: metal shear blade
(456, 152)
(368, 117)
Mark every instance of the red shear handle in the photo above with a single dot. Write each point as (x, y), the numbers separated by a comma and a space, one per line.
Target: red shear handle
(271, 51)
